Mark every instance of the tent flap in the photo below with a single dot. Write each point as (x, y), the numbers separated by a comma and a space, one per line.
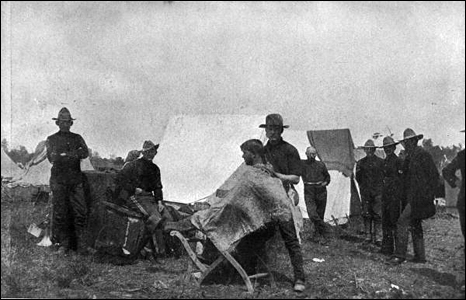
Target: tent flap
(335, 148)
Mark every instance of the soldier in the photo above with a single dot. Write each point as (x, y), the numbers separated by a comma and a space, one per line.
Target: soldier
(369, 174)
(316, 178)
(421, 178)
(139, 183)
(286, 163)
(449, 174)
(391, 196)
(65, 151)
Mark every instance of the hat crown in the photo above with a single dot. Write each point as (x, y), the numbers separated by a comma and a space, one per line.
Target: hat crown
(409, 133)
(369, 143)
(148, 145)
(274, 120)
(64, 114)
(388, 140)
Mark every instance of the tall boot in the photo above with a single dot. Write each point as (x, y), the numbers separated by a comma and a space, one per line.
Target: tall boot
(367, 230)
(376, 239)
(81, 242)
(419, 249)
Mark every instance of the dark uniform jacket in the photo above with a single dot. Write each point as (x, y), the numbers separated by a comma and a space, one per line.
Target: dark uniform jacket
(66, 169)
(369, 174)
(393, 191)
(449, 175)
(140, 173)
(284, 158)
(422, 178)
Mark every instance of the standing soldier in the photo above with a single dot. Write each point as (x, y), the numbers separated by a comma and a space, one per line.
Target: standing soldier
(421, 178)
(449, 174)
(316, 178)
(391, 196)
(286, 163)
(369, 174)
(65, 151)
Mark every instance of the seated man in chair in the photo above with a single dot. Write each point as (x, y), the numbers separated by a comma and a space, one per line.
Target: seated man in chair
(243, 217)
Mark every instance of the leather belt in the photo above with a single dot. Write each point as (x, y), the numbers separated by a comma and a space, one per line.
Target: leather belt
(314, 183)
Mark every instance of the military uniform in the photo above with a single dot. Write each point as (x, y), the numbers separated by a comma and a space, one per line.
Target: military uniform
(144, 174)
(391, 200)
(285, 160)
(369, 175)
(66, 182)
(449, 175)
(421, 178)
(315, 173)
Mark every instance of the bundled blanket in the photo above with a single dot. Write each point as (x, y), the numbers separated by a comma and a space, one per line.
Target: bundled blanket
(257, 198)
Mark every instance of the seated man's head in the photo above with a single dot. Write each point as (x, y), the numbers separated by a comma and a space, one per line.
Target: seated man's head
(253, 152)
(149, 150)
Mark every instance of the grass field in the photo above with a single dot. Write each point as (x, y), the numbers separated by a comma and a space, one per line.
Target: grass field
(350, 269)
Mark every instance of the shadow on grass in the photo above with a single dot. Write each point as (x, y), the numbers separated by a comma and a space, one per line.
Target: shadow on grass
(446, 279)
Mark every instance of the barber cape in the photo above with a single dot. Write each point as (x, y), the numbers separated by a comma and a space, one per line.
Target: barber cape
(256, 199)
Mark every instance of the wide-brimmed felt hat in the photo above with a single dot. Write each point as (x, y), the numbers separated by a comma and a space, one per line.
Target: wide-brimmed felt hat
(369, 144)
(273, 120)
(410, 134)
(148, 145)
(389, 141)
(64, 115)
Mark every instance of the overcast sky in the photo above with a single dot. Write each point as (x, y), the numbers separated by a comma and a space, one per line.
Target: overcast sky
(123, 68)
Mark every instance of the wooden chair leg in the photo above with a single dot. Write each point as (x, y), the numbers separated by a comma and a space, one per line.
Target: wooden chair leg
(205, 270)
(190, 251)
(240, 270)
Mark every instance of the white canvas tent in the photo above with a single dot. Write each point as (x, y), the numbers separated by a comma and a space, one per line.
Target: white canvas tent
(9, 168)
(199, 153)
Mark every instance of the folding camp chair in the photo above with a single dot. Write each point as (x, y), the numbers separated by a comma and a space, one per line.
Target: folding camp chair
(205, 269)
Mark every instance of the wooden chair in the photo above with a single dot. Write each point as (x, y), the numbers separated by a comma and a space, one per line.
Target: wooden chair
(205, 269)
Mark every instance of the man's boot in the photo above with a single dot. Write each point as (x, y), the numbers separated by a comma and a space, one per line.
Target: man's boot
(367, 230)
(81, 240)
(376, 240)
(419, 250)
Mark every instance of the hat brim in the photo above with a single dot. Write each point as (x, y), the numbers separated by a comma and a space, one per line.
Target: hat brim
(57, 119)
(418, 136)
(392, 144)
(368, 147)
(156, 147)
(265, 125)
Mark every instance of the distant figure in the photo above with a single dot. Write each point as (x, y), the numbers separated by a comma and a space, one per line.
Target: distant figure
(132, 155)
(286, 163)
(392, 195)
(65, 151)
(369, 175)
(449, 174)
(421, 177)
(315, 178)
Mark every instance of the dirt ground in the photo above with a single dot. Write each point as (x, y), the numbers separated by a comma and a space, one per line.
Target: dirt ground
(345, 268)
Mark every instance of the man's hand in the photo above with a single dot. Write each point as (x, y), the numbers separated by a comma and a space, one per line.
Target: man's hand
(137, 191)
(160, 207)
